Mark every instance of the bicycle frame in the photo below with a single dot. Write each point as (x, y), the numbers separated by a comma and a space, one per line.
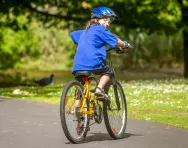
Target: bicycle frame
(87, 93)
(87, 96)
(80, 102)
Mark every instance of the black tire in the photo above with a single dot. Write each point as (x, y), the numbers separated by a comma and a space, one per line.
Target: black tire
(115, 120)
(69, 121)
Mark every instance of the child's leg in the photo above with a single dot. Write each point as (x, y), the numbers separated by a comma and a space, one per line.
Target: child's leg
(103, 81)
(77, 103)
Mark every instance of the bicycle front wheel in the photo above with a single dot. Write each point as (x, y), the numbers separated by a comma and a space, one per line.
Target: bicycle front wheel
(74, 124)
(115, 119)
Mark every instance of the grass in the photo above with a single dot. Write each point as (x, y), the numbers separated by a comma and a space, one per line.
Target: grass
(163, 101)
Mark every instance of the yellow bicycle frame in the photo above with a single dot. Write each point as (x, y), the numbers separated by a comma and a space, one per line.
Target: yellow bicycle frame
(87, 96)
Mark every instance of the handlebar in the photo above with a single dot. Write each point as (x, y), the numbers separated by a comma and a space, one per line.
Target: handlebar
(118, 50)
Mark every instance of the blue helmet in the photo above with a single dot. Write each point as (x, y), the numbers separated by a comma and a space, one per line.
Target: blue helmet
(103, 12)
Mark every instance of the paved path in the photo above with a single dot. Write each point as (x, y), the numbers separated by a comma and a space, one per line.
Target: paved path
(25, 124)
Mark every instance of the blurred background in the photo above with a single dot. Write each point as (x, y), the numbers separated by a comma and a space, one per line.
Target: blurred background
(35, 41)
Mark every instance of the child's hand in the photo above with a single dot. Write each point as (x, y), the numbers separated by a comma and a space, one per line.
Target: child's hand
(127, 45)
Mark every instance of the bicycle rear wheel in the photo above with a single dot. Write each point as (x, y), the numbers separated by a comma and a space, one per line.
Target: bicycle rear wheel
(115, 120)
(70, 115)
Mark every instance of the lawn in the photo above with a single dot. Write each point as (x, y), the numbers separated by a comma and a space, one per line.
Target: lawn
(163, 101)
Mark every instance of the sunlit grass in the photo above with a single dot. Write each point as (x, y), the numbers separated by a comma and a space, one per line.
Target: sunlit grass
(50, 94)
(163, 101)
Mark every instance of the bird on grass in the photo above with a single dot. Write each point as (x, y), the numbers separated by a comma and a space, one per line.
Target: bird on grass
(45, 81)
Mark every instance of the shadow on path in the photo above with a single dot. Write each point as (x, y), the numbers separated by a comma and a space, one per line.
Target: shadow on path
(103, 137)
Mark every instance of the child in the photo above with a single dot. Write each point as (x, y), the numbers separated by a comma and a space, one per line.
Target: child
(91, 50)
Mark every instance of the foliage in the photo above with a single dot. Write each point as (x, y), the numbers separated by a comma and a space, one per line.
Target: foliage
(33, 35)
(132, 13)
(15, 43)
(54, 47)
(151, 51)
(156, 48)
(31, 45)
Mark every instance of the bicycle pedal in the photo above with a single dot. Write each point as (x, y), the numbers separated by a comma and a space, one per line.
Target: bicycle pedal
(87, 128)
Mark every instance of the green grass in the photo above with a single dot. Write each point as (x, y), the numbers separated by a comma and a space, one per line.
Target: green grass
(163, 101)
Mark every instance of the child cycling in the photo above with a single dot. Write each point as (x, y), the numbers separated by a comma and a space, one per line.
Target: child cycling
(91, 51)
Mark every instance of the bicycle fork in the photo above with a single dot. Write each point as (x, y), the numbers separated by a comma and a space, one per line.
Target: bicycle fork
(116, 97)
(116, 93)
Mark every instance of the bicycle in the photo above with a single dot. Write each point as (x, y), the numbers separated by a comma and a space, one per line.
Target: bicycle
(113, 109)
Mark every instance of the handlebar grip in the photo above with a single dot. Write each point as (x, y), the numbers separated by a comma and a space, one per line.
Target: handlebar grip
(130, 46)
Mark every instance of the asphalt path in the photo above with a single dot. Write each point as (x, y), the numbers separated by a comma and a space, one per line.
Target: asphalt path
(27, 124)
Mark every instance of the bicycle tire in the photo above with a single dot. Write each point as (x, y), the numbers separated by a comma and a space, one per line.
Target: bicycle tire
(111, 116)
(68, 94)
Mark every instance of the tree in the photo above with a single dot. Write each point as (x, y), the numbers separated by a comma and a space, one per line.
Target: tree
(184, 23)
(144, 15)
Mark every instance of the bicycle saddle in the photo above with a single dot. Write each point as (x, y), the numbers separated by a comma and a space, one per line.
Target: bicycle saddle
(82, 73)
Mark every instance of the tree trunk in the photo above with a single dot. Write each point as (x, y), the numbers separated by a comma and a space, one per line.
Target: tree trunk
(185, 36)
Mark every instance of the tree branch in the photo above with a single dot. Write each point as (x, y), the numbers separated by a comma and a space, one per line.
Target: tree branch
(58, 16)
